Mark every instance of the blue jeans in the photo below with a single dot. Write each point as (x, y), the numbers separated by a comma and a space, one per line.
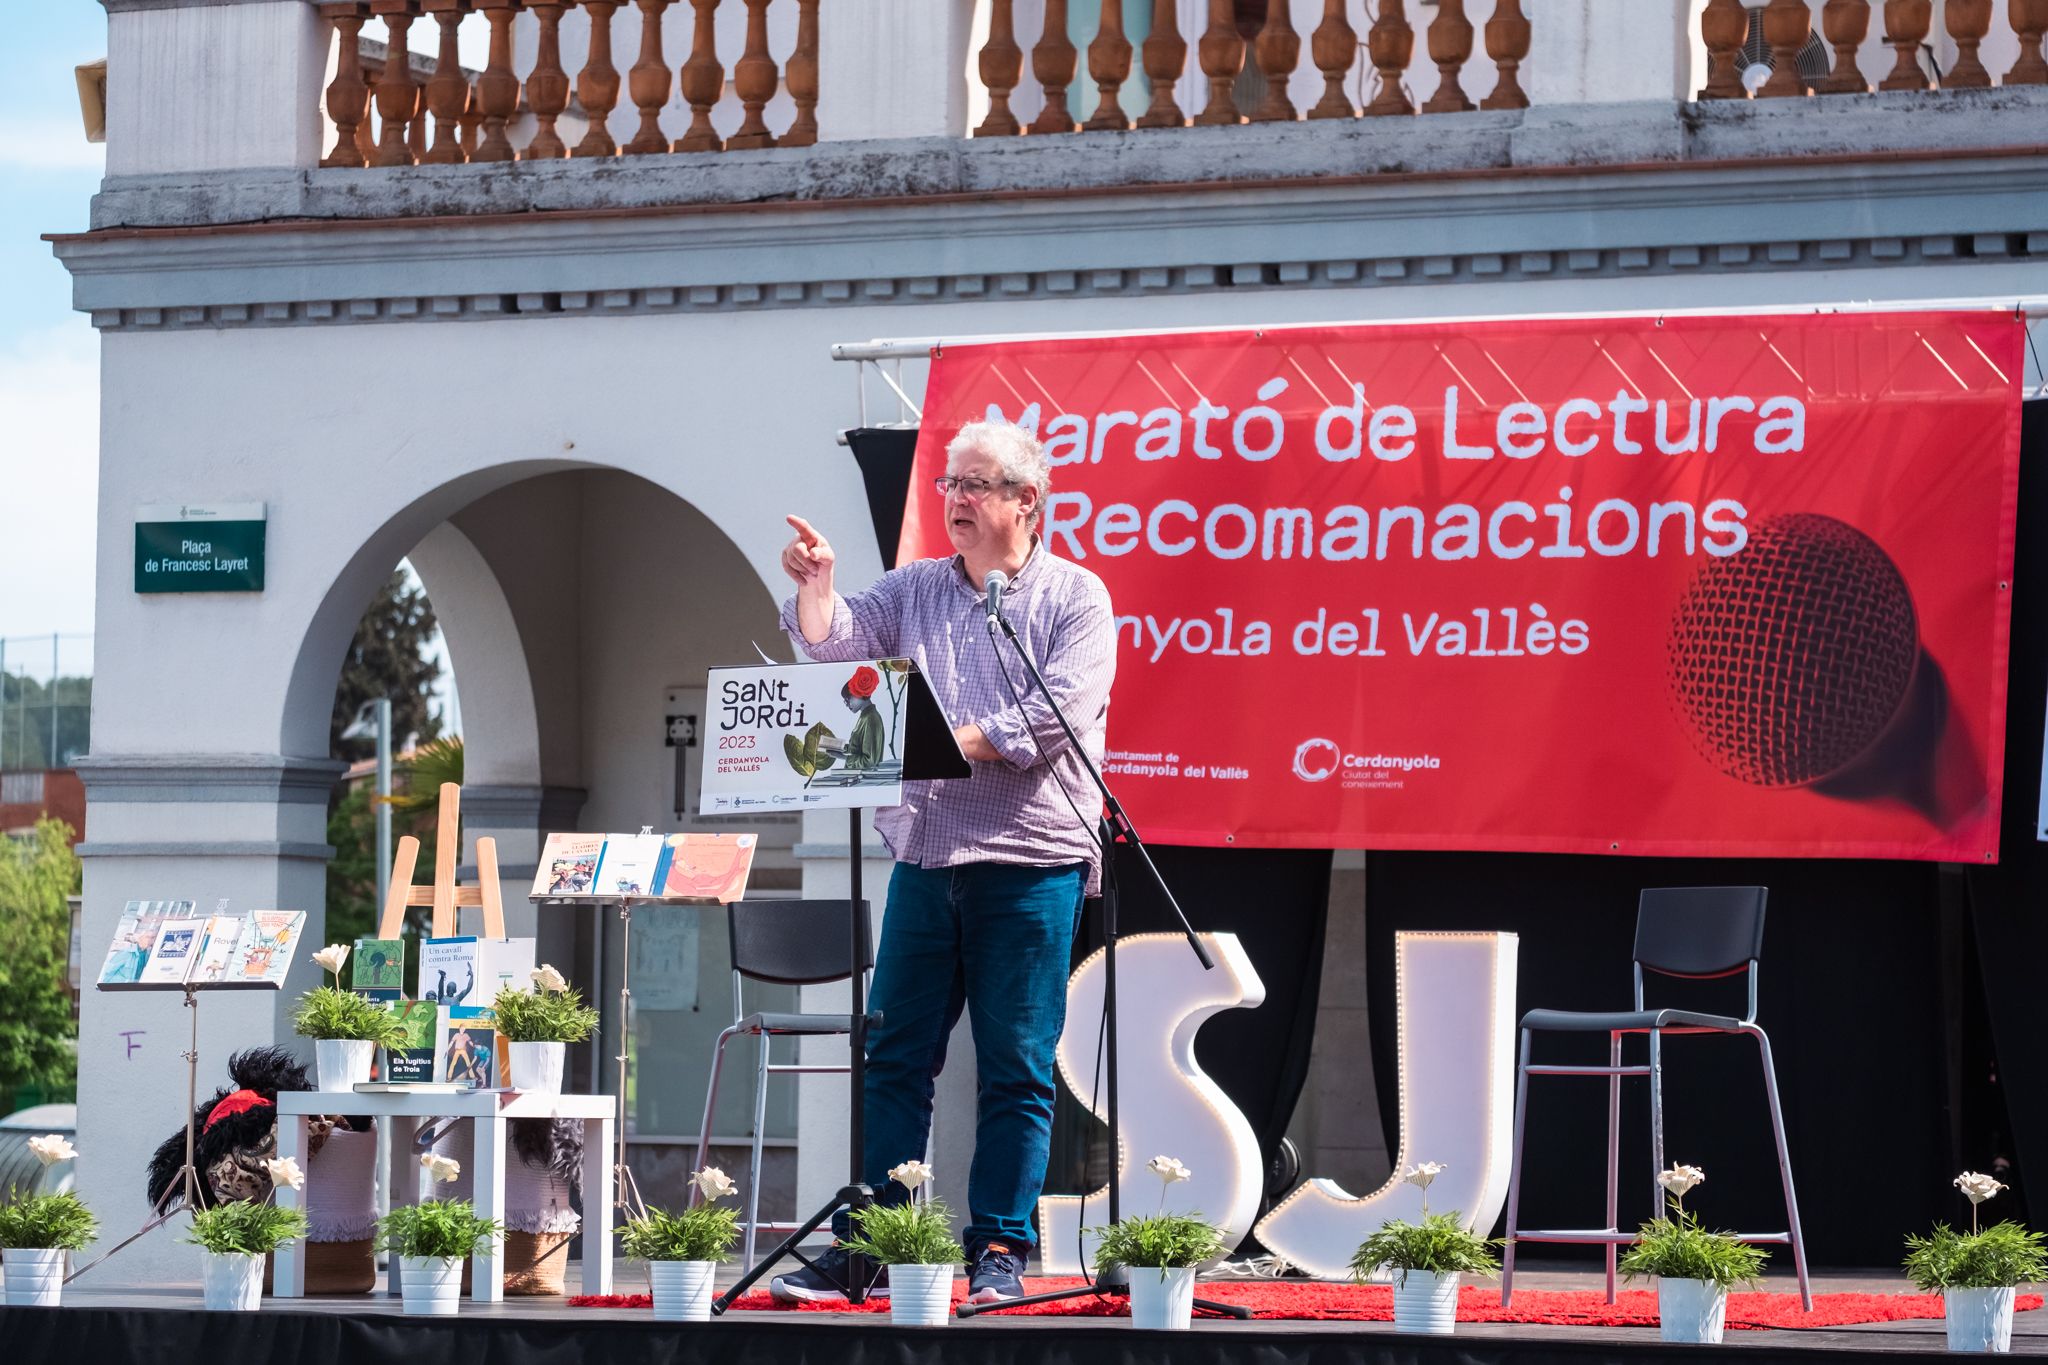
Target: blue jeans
(994, 939)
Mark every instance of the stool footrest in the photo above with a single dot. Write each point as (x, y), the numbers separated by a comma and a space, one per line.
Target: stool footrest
(1603, 1236)
(1548, 1070)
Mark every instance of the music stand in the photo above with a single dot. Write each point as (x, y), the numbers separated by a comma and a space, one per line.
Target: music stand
(930, 753)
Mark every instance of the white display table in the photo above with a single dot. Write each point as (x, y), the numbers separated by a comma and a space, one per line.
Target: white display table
(400, 1116)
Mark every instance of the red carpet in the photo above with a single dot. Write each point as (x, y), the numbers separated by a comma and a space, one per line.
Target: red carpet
(1307, 1300)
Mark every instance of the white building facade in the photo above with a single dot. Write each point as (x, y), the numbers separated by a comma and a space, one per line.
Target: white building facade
(581, 393)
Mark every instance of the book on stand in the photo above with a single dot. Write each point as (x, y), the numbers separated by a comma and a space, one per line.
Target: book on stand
(179, 943)
(411, 1062)
(630, 865)
(377, 968)
(264, 953)
(568, 865)
(691, 866)
(134, 937)
(466, 1048)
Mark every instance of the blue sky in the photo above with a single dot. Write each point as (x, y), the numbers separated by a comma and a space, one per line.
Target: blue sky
(49, 355)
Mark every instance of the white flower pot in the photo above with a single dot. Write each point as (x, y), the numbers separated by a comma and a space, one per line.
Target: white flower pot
(920, 1295)
(342, 1063)
(232, 1281)
(1691, 1310)
(1425, 1301)
(682, 1289)
(1978, 1319)
(34, 1275)
(431, 1285)
(1163, 1300)
(536, 1068)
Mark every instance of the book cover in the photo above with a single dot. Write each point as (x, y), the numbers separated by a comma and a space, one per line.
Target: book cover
(263, 954)
(450, 971)
(223, 934)
(631, 865)
(378, 968)
(568, 865)
(708, 866)
(503, 962)
(134, 936)
(467, 1053)
(412, 1061)
(179, 943)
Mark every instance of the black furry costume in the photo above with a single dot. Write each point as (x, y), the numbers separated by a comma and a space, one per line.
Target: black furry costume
(230, 1150)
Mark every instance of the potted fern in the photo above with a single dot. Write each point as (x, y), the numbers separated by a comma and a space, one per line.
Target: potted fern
(1427, 1258)
(1695, 1268)
(915, 1240)
(237, 1236)
(36, 1230)
(346, 1028)
(683, 1251)
(1978, 1272)
(432, 1239)
(1167, 1248)
(540, 1024)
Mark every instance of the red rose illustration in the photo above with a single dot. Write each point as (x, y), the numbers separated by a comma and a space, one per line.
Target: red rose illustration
(864, 682)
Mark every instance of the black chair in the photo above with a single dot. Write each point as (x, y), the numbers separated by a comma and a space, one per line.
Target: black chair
(1697, 932)
(785, 943)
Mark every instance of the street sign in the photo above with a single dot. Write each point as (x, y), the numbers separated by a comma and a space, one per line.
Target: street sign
(187, 547)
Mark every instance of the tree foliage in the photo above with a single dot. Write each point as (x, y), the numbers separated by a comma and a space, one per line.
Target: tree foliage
(388, 658)
(38, 1035)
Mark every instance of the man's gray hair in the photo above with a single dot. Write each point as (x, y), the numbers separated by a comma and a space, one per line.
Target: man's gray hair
(1014, 449)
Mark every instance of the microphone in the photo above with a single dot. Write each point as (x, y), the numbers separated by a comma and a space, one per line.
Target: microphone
(994, 585)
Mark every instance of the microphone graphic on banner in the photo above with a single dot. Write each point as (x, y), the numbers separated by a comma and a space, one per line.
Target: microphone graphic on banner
(994, 585)
(1797, 662)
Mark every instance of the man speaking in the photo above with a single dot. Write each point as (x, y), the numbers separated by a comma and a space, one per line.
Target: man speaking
(991, 869)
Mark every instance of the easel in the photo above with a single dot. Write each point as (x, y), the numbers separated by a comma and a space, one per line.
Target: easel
(185, 1183)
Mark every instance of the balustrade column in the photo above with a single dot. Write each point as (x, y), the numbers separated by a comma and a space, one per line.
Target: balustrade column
(1391, 44)
(2029, 21)
(1001, 63)
(1334, 48)
(1787, 24)
(1507, 43)
(366, 133)
(801, 76)
(648, 81)
(1052, 62)
(497, 89)
(1450, 47)
(1109, 66)
(754, 78)
(448, 90)
(472, 125)
(547, 85)
(348, 94)
(1166, 56)
(703, 81)
(398, 93)
(1277, 49)
(1905, 28)
(1221, 52)
(597, 85)
(1724, 24)
(1845, 24)
(1968, 21)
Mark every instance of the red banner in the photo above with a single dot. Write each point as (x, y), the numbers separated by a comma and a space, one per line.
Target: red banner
(1684, 585)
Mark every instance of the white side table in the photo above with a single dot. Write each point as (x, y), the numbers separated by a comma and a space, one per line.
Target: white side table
(400, 1115)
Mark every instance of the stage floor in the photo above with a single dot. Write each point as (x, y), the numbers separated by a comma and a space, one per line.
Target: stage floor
(162, 1323)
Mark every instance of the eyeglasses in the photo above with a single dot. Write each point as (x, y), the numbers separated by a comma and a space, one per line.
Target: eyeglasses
(972, 489)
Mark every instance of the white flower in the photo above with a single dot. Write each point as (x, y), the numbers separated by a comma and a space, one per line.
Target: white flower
(441, 1168)
(285, 1171)
(1168, 1169)
(1679, 1180)
(714, 1183)
(548, 979)
(1978, 1188)
(52, 1148)
(911, 1174)
(331, 957)
(1422, 1173)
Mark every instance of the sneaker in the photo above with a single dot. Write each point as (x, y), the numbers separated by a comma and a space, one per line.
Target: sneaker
(825, 1281)
(997, 1274)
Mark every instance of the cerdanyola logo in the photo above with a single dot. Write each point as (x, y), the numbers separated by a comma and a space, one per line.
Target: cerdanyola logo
(1316, 759)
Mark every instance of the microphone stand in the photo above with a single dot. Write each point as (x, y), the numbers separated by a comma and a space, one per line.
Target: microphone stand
(1117, 825)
